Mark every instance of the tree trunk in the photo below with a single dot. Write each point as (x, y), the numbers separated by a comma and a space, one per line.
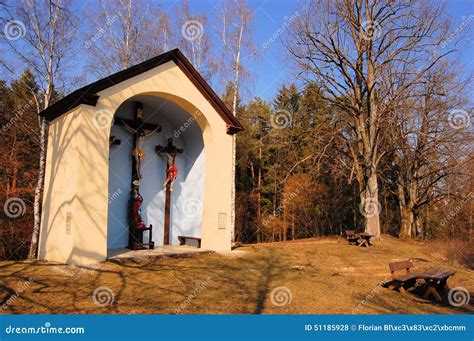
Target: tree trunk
(407, 221)
(259, 192)
(371, 206)
(283, 230)
(38, 192)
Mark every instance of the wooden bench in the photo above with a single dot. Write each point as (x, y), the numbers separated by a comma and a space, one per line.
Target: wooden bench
(195, 241)
(431, 282)
(351, 236)
(405, 281)
(359, 239)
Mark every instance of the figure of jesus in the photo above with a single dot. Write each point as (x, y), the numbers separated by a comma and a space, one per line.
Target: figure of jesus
(171, 170)
(138, 152)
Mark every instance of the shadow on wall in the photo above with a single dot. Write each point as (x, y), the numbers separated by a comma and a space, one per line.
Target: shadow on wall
(187, 194)
(70, 145)
(73, 229)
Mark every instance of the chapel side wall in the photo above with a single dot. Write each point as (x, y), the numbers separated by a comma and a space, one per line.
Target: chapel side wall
(72, 232)
(90, 220)
(59, 197)
(217, 191)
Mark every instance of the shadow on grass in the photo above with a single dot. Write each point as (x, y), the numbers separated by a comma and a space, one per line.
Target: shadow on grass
(150, 286)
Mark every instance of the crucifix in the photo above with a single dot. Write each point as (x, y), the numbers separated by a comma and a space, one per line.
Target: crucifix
(139, 130)
(171, 172)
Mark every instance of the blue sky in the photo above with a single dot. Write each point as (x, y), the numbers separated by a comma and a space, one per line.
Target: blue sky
(271, 70)
(270, 15)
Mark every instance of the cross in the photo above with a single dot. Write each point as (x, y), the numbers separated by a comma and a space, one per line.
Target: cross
(171, 171)
(139, 130)
(138, 127)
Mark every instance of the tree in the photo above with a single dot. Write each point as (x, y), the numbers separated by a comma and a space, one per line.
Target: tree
(48, 29)
(366, 55)
(236, 35)
(19, 149)
(117, 39)
(430, 148)
(195, 40)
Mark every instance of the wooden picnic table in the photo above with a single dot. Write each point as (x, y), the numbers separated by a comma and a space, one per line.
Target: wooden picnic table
(359, 239)
(436, 281)
(365, 239)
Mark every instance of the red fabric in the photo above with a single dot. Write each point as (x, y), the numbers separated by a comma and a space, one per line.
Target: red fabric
(136, 207)
(172, 172)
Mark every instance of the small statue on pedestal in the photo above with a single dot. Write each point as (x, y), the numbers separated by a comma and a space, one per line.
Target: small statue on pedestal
(136, 209)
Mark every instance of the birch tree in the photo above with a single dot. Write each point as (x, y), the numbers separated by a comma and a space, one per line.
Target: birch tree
(236, 36)
(366, 55)
(40, 34)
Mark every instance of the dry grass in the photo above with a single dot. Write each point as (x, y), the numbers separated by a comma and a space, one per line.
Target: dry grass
(324, 276)
(456, 251)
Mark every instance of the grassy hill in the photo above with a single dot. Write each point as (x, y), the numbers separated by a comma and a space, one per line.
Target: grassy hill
(320, 275)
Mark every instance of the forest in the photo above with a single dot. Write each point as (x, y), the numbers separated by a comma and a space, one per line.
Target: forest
(371, 132)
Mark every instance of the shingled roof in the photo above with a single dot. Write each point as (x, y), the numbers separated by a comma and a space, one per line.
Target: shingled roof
(88, 94)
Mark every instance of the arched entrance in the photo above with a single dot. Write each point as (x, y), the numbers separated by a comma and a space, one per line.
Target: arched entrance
(186, 198)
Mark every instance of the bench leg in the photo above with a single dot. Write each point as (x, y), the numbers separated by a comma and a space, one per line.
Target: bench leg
(432, 291)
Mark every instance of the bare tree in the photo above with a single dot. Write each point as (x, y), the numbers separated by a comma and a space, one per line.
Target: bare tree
(432, 141)
(366, 55)
(115, 35)
(236, 36)
(156, 35)
(195, 40)
(44, 34)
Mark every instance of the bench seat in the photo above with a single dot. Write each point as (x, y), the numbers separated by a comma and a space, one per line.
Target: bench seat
(195, 241)
(407, 277)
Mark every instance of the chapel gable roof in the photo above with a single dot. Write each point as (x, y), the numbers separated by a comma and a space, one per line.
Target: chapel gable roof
(88, 94)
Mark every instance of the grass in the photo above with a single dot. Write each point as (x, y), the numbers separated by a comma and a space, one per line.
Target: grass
(323, 275)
